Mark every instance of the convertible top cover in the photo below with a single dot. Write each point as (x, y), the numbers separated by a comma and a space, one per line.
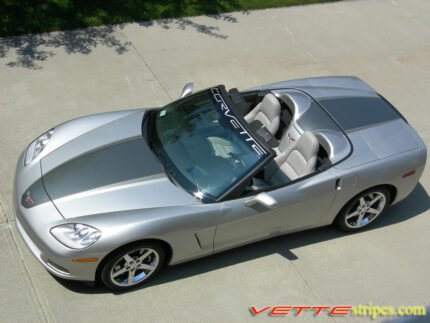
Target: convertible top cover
(352, 113)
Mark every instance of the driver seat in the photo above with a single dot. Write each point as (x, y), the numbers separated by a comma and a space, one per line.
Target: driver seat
(268, 112)
(298, 160)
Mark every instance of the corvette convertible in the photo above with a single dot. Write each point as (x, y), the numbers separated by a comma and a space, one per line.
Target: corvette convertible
(116, 196)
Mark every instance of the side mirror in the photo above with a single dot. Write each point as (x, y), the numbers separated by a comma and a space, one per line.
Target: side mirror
(263, 199)
(187, 90)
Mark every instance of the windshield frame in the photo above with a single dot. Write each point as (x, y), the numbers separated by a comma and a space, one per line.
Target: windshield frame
(227, 108)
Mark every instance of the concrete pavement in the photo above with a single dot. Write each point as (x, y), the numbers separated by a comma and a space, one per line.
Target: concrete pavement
(48, 79)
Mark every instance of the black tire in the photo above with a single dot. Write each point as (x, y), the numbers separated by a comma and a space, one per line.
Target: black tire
(117, 263)
(354, 205)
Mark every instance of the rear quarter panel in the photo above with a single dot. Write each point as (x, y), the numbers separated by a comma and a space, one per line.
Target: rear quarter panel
(385, 171)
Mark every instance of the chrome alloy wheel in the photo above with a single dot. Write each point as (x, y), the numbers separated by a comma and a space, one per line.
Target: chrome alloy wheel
(134, 267)
(365, 210)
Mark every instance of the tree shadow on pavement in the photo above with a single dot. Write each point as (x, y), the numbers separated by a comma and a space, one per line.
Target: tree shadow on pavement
(28, 51)
(415, 204)
(187, 23)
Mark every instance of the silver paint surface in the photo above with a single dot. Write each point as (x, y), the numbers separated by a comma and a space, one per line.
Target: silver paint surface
(128, 203)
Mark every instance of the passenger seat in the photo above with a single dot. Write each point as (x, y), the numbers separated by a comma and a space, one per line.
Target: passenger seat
(298, 160)
(268, 112)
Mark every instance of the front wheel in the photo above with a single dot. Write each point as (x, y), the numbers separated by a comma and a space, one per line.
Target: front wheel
(132, 266)
(363, 209)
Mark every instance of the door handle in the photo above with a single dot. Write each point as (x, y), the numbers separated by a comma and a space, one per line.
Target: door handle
(339, 183)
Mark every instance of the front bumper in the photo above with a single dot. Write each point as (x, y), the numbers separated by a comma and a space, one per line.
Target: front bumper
(56, 264)
(33, 225)
(52, 267)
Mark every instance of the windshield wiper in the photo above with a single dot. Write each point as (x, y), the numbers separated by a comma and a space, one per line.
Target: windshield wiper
(170, 174)
(167, 167)
(150, 119)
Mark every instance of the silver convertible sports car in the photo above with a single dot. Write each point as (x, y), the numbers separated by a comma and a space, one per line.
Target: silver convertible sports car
(115, 196)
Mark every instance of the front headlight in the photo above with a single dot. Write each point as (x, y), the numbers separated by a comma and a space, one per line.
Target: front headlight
(37, 146)
(76, 235)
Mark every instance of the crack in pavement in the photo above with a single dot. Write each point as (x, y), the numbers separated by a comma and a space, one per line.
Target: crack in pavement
(13, 245)
(147, 66)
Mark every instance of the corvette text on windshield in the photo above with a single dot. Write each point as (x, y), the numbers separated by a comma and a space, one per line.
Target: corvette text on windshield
(236, 124)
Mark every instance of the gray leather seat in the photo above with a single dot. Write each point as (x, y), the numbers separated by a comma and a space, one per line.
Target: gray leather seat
(268, 112)
(298, 160)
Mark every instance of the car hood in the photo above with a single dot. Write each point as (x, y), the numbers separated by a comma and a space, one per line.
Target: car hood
(109, 169)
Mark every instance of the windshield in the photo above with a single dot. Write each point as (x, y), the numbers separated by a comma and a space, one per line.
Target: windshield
(203, 146)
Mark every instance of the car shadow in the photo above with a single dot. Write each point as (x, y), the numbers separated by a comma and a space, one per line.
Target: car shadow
(415, 204)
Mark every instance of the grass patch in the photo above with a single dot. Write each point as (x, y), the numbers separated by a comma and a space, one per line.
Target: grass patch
(19, 17)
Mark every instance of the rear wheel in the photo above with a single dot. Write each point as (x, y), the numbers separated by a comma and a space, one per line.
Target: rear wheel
(363, 209)
(133, 266)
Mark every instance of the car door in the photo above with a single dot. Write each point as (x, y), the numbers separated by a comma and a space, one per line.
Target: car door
(299, 205)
